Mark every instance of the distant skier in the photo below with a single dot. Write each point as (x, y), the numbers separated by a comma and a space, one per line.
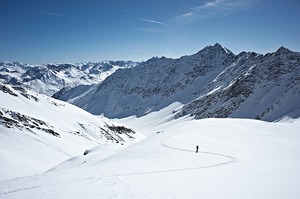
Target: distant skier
(197, 148)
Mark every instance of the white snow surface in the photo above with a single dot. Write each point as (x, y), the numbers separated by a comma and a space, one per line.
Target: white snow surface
(26, 149)
(238, 158)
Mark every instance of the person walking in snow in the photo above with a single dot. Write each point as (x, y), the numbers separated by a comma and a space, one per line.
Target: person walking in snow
(197, 148)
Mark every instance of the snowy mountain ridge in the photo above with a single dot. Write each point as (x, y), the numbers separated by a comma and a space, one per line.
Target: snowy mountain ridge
(50, 78)
(38, 132)
(211, 83)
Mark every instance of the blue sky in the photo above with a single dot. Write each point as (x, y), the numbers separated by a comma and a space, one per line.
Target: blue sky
(41, 31)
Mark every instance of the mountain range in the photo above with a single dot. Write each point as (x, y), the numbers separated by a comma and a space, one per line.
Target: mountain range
(156, 109)
(213, 83)
(50, 78)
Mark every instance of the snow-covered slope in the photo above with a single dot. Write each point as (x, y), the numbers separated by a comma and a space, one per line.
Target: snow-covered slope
(211, 83)
(38, 132)
(237, 158)
(50, 78)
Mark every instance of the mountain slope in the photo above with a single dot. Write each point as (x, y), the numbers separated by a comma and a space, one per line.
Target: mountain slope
(38, 132)
(50, 78)
(237, 158)
(211, 83)
(253, 86)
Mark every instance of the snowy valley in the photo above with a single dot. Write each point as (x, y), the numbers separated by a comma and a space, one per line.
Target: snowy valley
(237, 158)
(241, 110)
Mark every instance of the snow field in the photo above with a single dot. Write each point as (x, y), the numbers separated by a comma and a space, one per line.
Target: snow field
(237, 159)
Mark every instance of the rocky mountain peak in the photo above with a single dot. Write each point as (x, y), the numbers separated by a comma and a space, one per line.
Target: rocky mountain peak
(211, 83)
(216, 48)
(283, 50)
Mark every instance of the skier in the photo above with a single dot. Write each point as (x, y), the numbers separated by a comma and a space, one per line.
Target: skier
(197, 148)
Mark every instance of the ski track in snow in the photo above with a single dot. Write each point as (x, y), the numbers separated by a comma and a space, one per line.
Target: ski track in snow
(19, 190)
(161, 144)
(53, 147)
(231, 159)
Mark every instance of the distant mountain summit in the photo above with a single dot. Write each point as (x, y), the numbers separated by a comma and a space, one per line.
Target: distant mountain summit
(211, 83)
(50, 78)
